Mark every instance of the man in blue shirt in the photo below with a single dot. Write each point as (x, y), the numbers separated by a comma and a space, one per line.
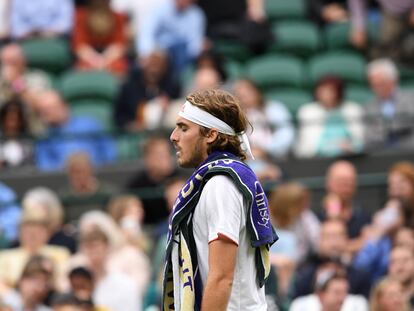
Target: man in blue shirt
(9, 214)
(177, 27)
(67, 134)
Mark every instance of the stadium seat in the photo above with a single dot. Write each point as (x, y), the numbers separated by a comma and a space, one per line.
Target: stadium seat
(348, 65)
(276, 71)
(301, 38)
(77, 85)
(360, 95)
(285, 9)
(98, 110)
(128, 146)
(293, 99)
(336, 35)
(232, 50)
(51, 55)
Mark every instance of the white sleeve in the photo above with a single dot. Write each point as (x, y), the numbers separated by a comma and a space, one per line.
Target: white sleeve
(224, 208)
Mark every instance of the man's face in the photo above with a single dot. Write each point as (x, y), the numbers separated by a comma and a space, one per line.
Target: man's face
(81, 286)
(342, 181)
(401, 266)
(190, 145)
(158, 160)
(381, 85)
(333, 239)
(334, 295)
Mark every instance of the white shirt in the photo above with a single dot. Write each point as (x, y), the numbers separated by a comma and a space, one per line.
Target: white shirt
(312, 303)
(222, 209)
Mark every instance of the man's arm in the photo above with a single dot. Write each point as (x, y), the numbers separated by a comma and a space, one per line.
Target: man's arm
(221, 261)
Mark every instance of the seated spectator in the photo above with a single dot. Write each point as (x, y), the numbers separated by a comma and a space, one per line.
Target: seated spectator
(273, 131)
(264, 167)
(291, 216)
(67, 134)
(84, 191)
(121, 256)
(34, 286)
(42, 18)
(329, 126)
(331, 292)
(99, 38)
(66, 302)
(18, 83)
(152, 80)
(177, 27)
(95, 247)
(328, 11)
(388, 295)
(401, 186)
(394, 41)
(340, 202)
(43, 202)
(15, 148)
(401, 268)
(237, 20)
(9, 216)
(374, 254)
(390, 117)
(158, 168)
(332, 247)
(128, 212)
(34, 234)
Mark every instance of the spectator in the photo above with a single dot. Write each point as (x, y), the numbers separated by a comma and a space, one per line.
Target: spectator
(43, 202)
(15, 149)
(329, 126)
(158, 168)
(66, 302)
(99, 38)
(237, 20)
(178, 27)
(332, 247)
(401, 268)
(328, 11)
(390, 117)
(67, 134)
(388, 296)
(84, 191)
(121, 257)
(152, 80)
(42, 18)
(95, 246)
(331, 293)
(291, 215)
(273, 131)
(341, 187)
(401, 186)
(33, 237)
(34, 286)
(4, 21)
(394, 40)
(128, 212)
(9, 215)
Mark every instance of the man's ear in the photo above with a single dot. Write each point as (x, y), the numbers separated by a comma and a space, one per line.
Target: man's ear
(211, 136)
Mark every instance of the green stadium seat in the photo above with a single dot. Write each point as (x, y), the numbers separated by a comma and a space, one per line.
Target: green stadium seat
(337, 35)
(346, 64)
(301, 38)
(360, 95)
(276, 71)
(128, 146)
(100, 111)
(232, 50)
(293, 99)
(285, 9)
(76, 85)
(51, 55)
(234, 69)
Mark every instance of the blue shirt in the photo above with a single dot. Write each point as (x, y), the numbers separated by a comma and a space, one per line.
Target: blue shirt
(166, 27)
(40, 15)
(78, 134)
(9, 213)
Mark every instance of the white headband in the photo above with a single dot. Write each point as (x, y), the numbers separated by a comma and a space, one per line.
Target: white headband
(203, 118)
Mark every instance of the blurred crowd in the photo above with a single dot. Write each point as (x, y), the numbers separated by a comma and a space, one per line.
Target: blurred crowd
(96, 245)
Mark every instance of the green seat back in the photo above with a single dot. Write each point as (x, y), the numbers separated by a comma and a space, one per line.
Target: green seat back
(99, 110)
(285, 9)
(293, 99)
(359, 94)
